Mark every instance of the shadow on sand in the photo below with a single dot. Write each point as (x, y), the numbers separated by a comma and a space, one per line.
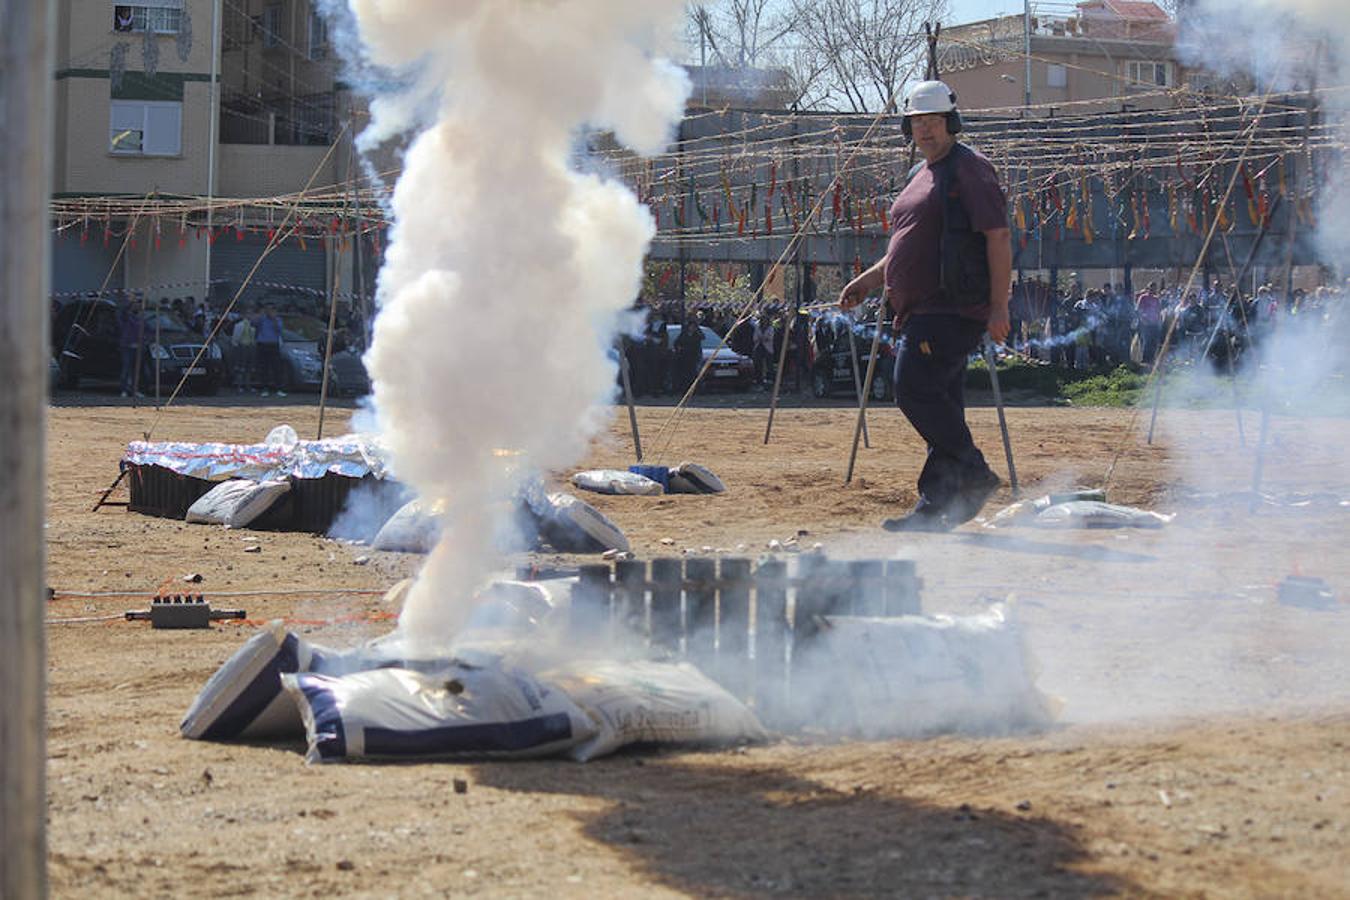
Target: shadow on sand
(717, 825)
(1089, 552)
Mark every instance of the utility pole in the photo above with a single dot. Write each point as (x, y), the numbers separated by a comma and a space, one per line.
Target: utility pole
(25, 184)
(212, 138)
(1026, 52)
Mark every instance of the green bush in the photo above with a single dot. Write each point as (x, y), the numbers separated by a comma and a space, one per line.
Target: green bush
(1114, 387)
(1119, 387)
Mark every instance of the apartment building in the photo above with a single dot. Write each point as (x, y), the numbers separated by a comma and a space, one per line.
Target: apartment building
(1105, 55)
(134, 118)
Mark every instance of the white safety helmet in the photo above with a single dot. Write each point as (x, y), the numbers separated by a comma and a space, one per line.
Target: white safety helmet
(929, 97)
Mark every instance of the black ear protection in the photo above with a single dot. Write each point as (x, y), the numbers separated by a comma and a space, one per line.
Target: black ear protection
(953, 121)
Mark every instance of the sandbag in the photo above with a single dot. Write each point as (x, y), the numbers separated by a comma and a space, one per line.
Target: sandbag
(415, 528)
(237, 502)
(244, 698)
(613, 481)
(1094, 514)
(458, 711)
(638, 702)
(571, 525)
(700, 478)
(914, 676)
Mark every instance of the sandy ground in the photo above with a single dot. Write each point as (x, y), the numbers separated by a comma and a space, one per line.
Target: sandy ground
(1202, 749)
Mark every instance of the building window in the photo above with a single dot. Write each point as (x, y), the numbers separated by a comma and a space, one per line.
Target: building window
(145, 128)
(154, 16)
(1147, 73)
(317, 44)
(1056, 75)
(271, 26)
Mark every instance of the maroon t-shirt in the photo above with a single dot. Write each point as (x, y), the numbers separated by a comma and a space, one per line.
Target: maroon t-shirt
(913, 257)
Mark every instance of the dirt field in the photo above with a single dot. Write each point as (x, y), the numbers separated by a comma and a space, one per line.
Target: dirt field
(1202, 749)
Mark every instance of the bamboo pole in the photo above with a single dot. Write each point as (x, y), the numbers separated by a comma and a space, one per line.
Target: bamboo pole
(1259, 466)
(332, 304)
(788, 327)
(25, 184)
(857, 382)
(628, 399)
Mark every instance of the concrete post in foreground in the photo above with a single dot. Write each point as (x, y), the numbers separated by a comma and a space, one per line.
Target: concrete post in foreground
(25, 184)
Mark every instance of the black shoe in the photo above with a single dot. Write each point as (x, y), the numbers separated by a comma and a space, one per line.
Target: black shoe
(922, 518)
(975, 492)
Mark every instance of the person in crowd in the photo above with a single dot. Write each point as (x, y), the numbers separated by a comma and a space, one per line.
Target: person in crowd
(763, 348)
(200, 317)
(267, 344)
(1148, 307)
(943, 303)
(130, 336)
(243, 341)
(688, 353)
(1192, 323)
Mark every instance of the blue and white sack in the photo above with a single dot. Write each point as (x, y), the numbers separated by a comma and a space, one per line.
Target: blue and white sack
(460, 711)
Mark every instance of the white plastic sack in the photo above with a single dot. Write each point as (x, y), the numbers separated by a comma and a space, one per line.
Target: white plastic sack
(920, 675)
(1092, 514)
(571, 525)
(1024, 511)
(282, 436)
(237, 502)
(458, 711)
(651, 702)
(244, 698)
(613, 481)
(415, 528)
(693, 478)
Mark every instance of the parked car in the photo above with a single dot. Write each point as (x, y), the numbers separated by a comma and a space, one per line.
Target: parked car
(347, 374)
(304, 340)
(728, 369)
(301, 361)
(85, 337)
(833, 369)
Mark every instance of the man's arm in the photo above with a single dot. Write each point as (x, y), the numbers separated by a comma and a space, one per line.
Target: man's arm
(856, 291)
(998, 250)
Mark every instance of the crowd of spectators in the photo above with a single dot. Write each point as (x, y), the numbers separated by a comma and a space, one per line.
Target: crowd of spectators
(1106, 326)
(250, 336)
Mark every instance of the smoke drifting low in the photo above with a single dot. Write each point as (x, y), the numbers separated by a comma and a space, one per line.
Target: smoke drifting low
(507, 267)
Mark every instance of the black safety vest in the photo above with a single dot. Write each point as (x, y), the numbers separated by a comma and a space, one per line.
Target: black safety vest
(963, 277)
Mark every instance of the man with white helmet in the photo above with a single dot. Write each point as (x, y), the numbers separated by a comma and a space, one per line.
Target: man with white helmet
(946, 276)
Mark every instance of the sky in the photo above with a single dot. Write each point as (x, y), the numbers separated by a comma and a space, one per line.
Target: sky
(974, 10)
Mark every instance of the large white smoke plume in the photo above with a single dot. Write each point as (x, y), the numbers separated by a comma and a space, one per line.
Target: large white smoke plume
(1286, 47)
(1283, 46)
(507, 267)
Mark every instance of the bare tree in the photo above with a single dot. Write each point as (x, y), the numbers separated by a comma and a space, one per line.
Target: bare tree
(846, 55)
(739, 34)
(865, 50)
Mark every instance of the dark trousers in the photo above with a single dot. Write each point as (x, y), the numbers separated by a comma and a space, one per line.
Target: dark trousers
(930, 371)
(128, 373)
(269, 366)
